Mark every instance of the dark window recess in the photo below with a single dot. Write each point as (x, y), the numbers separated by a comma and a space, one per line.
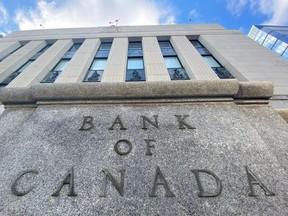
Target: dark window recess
(41, 52)
(52, 75)
(221, 72)
(17, 72)
(12, 76)
(1, 59)
(135, 65)
(173, 65)
(62, 64)
(96, 70)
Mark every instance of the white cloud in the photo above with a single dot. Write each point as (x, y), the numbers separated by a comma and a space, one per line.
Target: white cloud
(88, 13)
(3, 15)
(275, 10)
(236, 7)
(194, 14)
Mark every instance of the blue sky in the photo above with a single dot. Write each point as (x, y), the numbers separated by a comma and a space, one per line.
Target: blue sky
(232, 14)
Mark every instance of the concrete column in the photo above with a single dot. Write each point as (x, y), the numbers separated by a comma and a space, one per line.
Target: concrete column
(155, 68)
(36, 71)
(115, 70)
(80, 62)
(8, 47)
(20, 57)
(191, 60)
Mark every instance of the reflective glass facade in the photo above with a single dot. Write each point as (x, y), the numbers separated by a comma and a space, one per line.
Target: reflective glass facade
(272, 37)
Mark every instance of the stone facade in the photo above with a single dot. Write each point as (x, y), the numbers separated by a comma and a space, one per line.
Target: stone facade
(204, 146)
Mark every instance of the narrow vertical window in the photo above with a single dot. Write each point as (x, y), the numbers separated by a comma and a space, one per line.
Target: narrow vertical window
(98, 65)
(135, 65)
(1, 59)
(12, 76)
(173, 65)
(221, 71)
(61, 65)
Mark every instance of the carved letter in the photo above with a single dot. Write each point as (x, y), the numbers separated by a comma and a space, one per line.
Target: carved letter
(87, 123)
(119, 186)
(155, 124)
(161, 181)
(13, 186)
(116, 147)
(119, 122)
(149, 146)
(253, 180)
(201, 190)
(182, 123)
(69, 179)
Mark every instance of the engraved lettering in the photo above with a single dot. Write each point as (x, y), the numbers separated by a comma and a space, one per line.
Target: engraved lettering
(119, 122)
(201, 190)
(146, 119)
(13, 186)
(119, 186)
(69, 179)
(121, 152)
(87, 123)
(149, 146)
(160, 180)
(182, 123)
(253, 180)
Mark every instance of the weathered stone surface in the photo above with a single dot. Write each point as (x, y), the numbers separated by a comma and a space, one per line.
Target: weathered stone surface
(255, 90)
(226, 139)
(145, 90)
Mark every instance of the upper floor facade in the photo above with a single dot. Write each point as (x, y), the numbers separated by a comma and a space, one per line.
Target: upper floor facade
(137, 54)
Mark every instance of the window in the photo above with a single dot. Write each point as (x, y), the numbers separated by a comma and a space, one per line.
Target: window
(1, 59)
(221, 72)
(12, 76)
(135, 65)
(173, 65)
(19, 70)
(98, 65)
(61, 65)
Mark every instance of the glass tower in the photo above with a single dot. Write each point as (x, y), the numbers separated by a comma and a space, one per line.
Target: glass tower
(272, 37)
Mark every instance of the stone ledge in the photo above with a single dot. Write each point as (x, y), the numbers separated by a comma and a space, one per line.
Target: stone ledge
(138, 91)
(255, 90)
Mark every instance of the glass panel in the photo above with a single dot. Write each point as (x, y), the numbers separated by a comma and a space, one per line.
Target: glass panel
(211, 61)
(269, 41)
(61, 65)
(94, 76)
(72, 51)
(203, 51)
(16, 73)
(135, 75)
(260, 37)
(102, 53)
(165, 44)
(135, 45)
(75, 47)
(168, 52)
(98, 64)
(285, 54)
(172, 62)
(279, 47)
(135, 52)
(135, 63)
(222, 73)
(178, 74)
(41, 52)
(51, 76)
(105, 46)
(25, 65)
(196, 43)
